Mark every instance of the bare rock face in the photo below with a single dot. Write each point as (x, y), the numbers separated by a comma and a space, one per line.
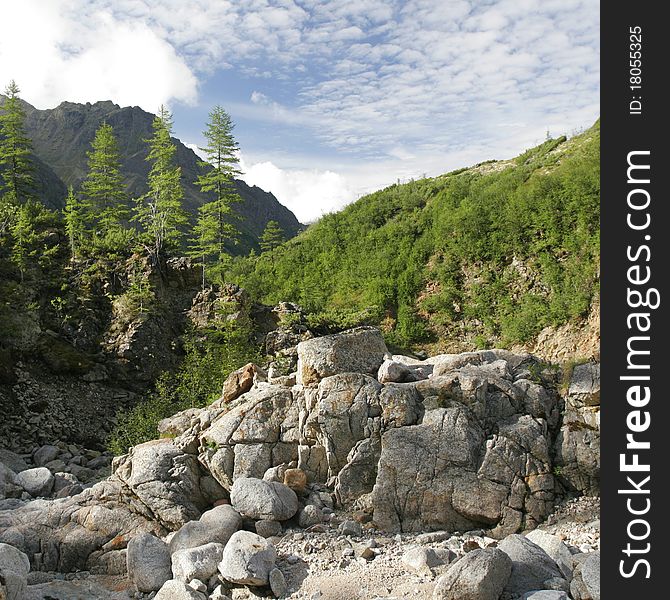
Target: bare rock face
(165, 479)
(577, 446)
(483, 448)
(360, 350)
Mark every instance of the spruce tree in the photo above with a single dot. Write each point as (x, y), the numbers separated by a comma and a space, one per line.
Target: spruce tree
(15, 151)
(103, 188)
(160, 211)
(219, 171)
(272, 237)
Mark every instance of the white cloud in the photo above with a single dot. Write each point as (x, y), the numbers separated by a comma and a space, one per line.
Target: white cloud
(309, 193)
(56, 53)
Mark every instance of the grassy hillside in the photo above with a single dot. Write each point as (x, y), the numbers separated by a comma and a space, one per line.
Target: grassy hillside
(487, 255)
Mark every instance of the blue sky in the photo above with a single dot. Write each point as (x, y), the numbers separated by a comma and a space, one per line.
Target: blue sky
(331, 98)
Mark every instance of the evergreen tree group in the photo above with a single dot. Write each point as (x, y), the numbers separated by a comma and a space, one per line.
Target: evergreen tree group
(100, 220)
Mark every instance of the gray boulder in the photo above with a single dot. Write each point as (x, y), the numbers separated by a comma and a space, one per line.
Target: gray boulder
(178, 590)
(248, 559)
(37, 482)
(531, 566)
(421, 559)
(393, 371)
(7, 479)
(585, 584)
(555, 548)
(215, 525)
(278, 583)
(258, 499)
(443, 490)
(266, 528)
(310, 515)
(13, 461)
(545, 595)
(14, 567)
(45, 454)
(149, 564)
(479, 575)
(197, 563)
(359, 350)
(259, 430)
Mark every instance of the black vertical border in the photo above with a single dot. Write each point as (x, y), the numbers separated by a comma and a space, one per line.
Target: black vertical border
(621, 133)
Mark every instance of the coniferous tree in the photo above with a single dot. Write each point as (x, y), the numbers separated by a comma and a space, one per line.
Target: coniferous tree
(75, 225)
(103, 188)
(272, 237)
(220, 168)
(15, 150)
(204, 239)
(160, 211)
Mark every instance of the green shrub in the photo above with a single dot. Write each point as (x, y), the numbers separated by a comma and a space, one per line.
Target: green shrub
(210, 357)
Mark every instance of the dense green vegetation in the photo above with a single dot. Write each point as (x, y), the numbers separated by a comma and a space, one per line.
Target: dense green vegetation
(493, 253)
(210, 357)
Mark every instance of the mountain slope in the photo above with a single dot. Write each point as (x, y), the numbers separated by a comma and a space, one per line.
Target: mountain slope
(483, 256)
(62, 136)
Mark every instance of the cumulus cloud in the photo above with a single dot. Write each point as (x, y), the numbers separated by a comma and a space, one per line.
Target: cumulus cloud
(58, 51)
(308, 193)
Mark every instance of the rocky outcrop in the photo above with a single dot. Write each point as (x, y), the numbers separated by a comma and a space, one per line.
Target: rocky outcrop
(577, 450)
(360, 350)
(464, 444)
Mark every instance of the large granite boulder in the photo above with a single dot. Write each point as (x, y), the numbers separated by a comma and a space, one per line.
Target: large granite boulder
(531, 566)
(479, 575)
(248, 559)
(77, 533)
(259, 430)
(215, 525)
(14, 567)
(37, 482)
(586, 582)
(149, 564)
(359, 350)
(165, 479)
(259, 499)
(200, 562)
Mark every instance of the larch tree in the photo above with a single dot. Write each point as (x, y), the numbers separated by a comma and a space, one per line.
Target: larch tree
(214, 229)
(15, 151)
(272, 237)
(75, 224)
(103, 189)
(160, 211)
